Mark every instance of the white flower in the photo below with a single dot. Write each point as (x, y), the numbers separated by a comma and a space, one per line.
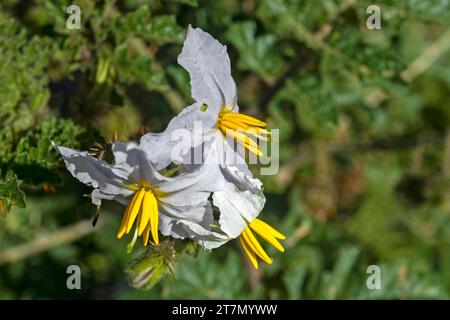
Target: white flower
(236, 193)
(215, 107)
(177, 206)
(240, 203)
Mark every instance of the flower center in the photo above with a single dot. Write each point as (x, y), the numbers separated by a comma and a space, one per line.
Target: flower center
(251, 245)
(241, 127)
(142, 208)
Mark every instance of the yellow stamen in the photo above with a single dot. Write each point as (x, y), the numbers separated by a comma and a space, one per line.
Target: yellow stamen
(143, 208)
(255, 246)
(146, 235)
(154, 220)
(272, 230)
(240, 126)
(233, 125)
(135, 209)
(254, 131)
(126, 216)
(251, 245)
(146, 211)
(243, 118)
(249, 253)
(248, 143)
(123, 226)
(254, 150)
(263, 131)
(258, 136)
(240, 137)
(264, 233)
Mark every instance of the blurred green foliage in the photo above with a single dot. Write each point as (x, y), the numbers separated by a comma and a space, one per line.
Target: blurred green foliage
(364, 123)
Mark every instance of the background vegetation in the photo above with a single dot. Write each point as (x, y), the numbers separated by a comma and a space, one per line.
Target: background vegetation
(364, 118)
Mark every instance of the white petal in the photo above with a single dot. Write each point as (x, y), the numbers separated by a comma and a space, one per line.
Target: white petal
(233, 157)
(141, 167)
(193, 222)
(206, 237)
(185, 131)
(210, 151)
(241, 180)
(97, 196)
(119, 151)
(96, 173)
(132, 166)
(199, 213)
(208, 64)
(196, 185)
(239, 204)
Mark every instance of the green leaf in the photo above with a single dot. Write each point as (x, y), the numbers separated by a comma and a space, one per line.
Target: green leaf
(193, 3)
(335, 282)
(163, 29)
(23, 92)
(159, 29)
(137, 67)
(10, 193)
(34, 148)
(256, 54)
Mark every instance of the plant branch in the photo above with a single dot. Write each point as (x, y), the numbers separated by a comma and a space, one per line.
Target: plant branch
(427, 58)
(47, 241)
